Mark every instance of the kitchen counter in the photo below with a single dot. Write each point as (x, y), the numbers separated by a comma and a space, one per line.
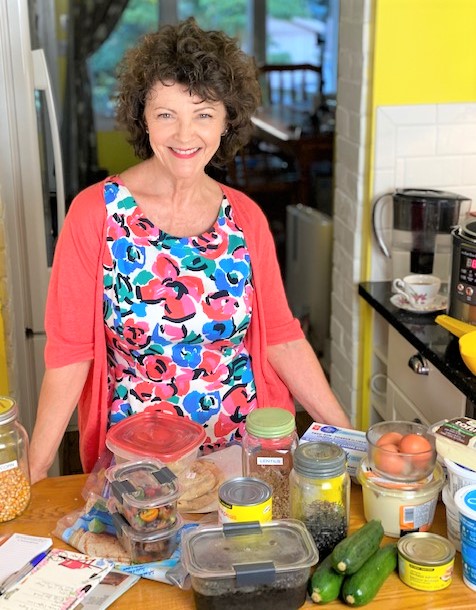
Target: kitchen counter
(435, 343)
(55, 497)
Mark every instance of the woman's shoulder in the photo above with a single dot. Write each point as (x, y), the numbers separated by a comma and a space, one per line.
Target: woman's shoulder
(90, 203)
(248, 210)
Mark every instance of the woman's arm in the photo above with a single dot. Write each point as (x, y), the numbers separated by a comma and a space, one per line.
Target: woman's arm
(60, 392)
(298, 366)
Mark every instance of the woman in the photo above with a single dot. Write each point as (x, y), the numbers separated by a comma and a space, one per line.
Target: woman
(165, 291)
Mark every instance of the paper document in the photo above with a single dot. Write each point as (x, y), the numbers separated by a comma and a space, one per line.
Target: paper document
(18, 550)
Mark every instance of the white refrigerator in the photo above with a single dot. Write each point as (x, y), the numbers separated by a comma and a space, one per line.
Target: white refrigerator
(31, 191)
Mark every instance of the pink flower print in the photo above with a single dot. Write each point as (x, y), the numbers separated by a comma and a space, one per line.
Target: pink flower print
(235, 408)
(156, 367)
(165, 269)
(220, 306)
(115, 229)
(163, 407)
(182, 381)
(141, 226)
(179, 297)
(136, 333)
(148, 392)
(213, 244)
(248, 297)
(212, 371)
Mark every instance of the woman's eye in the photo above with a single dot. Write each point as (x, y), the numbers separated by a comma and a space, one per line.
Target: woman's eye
(164, 115)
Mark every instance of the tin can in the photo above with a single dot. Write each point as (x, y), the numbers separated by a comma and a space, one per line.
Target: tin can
(245, 499)
(425, 561)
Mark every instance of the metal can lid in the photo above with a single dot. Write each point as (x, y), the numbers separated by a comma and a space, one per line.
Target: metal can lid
(319, 459)
(426, 548)
(8, 409)
(244, 491)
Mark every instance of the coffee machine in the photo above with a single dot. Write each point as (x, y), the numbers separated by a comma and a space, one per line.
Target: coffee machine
(419, 230)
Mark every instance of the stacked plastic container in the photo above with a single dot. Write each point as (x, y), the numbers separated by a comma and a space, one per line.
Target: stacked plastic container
(456, 445)
(143, 505)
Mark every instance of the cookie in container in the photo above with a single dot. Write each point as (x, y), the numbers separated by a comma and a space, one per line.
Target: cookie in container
(249, 565)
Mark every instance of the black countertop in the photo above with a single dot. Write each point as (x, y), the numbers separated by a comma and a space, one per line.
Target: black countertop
(435, 343)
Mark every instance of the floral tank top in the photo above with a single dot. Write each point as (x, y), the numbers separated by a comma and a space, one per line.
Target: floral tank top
(176, 311)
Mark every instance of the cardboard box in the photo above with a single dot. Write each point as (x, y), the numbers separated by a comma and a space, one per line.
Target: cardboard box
(353, 442)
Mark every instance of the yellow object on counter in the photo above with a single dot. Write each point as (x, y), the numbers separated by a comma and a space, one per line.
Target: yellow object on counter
(467, 338)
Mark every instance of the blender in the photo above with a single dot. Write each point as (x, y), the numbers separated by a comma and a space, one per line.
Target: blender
(419, 230)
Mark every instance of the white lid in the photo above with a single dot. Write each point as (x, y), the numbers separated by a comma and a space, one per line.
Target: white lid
(465, 500)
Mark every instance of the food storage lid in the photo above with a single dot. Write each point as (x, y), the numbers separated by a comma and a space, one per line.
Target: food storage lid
(143, 484)
(270, 422)
(465, 500)
(144, 537)
(152, 434)
(8, 410)
(319, 459)
(249, 548)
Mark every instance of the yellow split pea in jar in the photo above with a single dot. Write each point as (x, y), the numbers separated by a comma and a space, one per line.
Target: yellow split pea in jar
(14, 471)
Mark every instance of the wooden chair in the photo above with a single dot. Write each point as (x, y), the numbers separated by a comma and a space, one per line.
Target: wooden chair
(291, 84)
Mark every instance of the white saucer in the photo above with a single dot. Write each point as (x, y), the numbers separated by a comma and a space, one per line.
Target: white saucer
(401, 302)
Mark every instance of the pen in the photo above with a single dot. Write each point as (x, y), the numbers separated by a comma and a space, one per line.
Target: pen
(21, 573)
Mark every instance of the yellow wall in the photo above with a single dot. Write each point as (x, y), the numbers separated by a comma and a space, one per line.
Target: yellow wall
(114, 152)
(424, 53)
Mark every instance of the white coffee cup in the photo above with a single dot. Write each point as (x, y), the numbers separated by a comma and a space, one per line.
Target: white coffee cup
(419, 289)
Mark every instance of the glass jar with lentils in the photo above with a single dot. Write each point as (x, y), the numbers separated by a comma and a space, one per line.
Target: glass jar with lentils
(14, 469)
(269, 441)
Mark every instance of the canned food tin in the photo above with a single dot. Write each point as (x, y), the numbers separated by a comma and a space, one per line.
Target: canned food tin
(244, 499)
(425, 561)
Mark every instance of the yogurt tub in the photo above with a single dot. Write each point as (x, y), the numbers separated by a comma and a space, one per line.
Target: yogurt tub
(401, 508)
(458, 476)
(452, 517)
(456, 440)
(465, 500)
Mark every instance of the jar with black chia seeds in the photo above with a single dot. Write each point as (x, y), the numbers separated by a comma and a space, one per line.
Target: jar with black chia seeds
(319, 488)
(269, 441)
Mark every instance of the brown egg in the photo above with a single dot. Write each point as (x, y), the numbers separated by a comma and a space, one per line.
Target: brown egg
(419, 448)
(393, 438)
(388, 460)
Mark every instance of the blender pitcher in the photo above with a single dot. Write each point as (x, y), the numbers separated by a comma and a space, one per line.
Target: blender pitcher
(420, 230)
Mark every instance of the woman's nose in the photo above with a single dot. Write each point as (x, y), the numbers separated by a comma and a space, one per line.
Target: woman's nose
(184, 129)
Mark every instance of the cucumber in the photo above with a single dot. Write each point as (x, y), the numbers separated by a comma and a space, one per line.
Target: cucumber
(361, 587)
(325, 583)
(352, 552)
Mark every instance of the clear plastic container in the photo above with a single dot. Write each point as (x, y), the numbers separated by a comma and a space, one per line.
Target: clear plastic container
(14, 470)
(320, 493)
(145, 493)
(144, 547)
(174, 441)
(268, 445)
(254, 566)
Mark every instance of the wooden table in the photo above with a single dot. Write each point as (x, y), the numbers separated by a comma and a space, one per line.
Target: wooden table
(292, 130)
(53, 498)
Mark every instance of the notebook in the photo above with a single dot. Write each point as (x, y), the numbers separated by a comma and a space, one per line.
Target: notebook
(59, 582)
(18, 549)
(109, 589)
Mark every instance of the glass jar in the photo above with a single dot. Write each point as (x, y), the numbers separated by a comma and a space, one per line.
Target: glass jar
(269, 441)
(320, 493)
(14, 469)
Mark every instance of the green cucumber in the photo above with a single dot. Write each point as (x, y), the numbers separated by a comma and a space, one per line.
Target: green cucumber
(325, 583)
(361, 587)
(352, 552)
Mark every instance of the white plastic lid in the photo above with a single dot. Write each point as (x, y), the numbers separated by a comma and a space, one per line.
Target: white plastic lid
(465, 500)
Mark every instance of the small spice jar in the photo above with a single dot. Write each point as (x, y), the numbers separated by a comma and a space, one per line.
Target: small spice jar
(319, 489)
(269, 441)
(14, 470)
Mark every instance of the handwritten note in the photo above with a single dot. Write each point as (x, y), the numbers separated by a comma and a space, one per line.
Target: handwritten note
(59, 582)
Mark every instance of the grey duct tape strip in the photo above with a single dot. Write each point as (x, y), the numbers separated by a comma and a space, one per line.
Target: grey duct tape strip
(241, 529)
(263, 573)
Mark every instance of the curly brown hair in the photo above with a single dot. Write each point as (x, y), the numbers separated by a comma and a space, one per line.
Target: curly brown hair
(210, 64)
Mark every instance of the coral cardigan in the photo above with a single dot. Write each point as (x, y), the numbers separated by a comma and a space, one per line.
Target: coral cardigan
(74, 317)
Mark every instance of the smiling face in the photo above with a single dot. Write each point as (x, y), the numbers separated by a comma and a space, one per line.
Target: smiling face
(184, 131)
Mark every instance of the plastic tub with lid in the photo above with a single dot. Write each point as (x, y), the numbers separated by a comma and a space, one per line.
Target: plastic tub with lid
(452, 517)
(401, 507)
(459, 476)
(456, 440)
(145, 492)
(172, 440)
(144, 547)
(249, 565)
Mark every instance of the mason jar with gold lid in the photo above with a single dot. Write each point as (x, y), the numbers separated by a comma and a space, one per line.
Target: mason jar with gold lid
(14, 469)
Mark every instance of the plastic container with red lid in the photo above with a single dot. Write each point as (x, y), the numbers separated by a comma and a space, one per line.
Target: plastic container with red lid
(172, 440)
